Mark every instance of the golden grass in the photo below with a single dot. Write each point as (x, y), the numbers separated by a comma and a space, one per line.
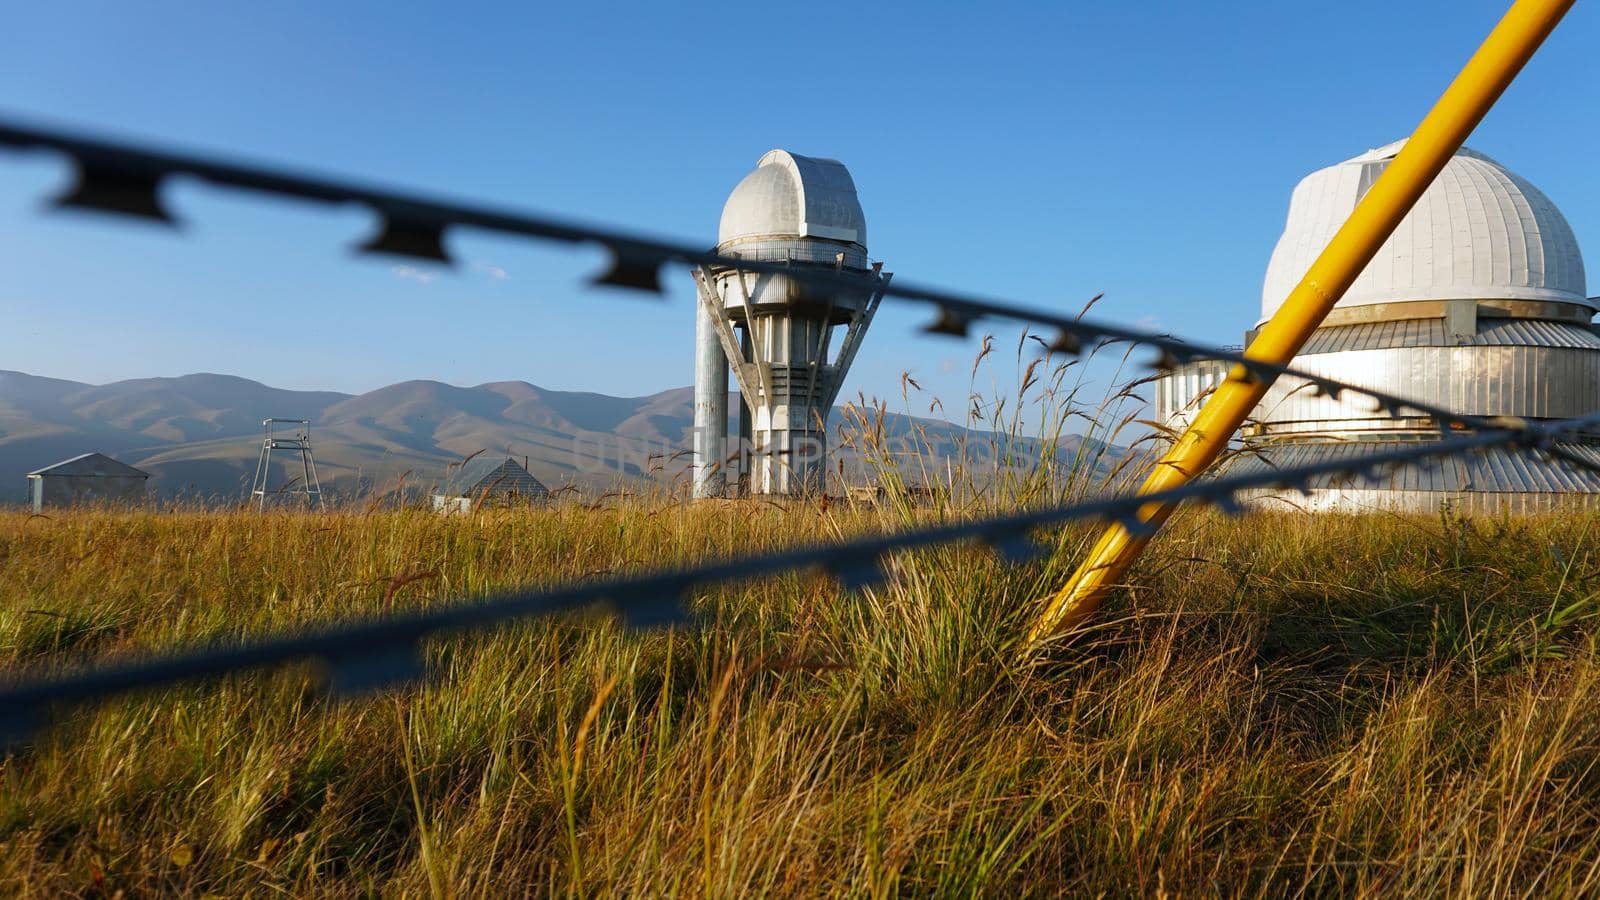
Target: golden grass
(1280, 705)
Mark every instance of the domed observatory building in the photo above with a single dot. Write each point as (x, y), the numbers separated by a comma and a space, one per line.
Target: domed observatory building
(788, 342)
(1475, 304)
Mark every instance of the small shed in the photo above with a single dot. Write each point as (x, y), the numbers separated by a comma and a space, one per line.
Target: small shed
(497, 482)
(90, 478)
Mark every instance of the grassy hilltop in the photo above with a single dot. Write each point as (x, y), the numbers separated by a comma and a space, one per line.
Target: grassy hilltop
(1330, 705)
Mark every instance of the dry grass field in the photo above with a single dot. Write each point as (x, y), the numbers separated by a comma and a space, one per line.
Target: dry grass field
(1280, 706)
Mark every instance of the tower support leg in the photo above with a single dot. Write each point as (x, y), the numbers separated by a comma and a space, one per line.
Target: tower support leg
(710, 440)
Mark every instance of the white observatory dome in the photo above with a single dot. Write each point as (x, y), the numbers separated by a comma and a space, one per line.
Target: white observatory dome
(791, 196)
(788, 339)
(1478, 233)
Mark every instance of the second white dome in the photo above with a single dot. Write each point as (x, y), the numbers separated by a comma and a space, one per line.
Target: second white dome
(1479, 232)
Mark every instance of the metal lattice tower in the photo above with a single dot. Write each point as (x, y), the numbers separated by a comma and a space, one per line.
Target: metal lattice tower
(294, 436)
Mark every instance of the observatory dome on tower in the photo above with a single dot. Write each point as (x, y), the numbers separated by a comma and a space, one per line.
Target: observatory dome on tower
(1476, 304)
(788, 340)
(790, 196)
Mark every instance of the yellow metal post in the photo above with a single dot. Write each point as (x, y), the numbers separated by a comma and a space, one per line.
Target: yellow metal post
(1509, 46)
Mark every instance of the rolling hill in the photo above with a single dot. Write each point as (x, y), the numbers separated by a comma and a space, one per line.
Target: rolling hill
(200, 435)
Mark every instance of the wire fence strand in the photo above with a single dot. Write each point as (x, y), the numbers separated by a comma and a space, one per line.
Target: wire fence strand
(125, 179)
(364, 655)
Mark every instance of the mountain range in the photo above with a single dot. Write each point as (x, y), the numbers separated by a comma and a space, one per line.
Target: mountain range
(200, 435)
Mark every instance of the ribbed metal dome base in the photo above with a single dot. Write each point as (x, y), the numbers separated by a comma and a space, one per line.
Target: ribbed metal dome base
(1491, 481)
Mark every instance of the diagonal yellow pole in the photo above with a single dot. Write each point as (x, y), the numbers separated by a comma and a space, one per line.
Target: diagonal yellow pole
(1509, 46)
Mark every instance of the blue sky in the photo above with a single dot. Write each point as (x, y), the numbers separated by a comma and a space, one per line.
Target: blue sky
(1040, 152)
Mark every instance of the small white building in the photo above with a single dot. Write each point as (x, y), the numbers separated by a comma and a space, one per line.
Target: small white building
(93, 478)
(489, 480)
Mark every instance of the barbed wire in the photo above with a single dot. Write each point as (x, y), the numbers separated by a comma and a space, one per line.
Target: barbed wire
(121, 178)
(369, 654)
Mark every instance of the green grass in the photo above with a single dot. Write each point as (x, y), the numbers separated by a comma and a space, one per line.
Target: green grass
(1279, 705)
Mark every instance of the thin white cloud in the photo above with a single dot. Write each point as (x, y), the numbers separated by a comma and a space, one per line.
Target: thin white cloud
(412, 273)
(426, 276)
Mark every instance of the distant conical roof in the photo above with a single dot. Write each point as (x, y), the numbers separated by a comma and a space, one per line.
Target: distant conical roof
(91, 465)
(497, 475)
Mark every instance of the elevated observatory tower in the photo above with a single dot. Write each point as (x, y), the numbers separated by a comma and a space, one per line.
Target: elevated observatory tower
(789, 343)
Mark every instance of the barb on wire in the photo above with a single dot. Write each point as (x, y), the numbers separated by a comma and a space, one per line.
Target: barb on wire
(120, 178)
(367, 655)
